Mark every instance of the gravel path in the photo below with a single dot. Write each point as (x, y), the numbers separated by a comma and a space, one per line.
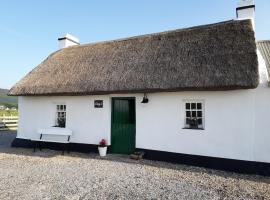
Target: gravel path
(49, 175)
(6, 137)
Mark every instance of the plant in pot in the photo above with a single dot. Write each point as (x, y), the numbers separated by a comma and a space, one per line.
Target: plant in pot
(193, 123)
(61, 122)
(102, 148)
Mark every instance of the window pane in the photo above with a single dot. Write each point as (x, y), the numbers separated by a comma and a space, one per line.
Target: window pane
(61, 116)
(187, 120)
(194, 115)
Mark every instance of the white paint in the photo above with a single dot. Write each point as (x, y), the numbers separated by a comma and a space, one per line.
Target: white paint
(236, 122)
(246, 13)
(264, 77)
(68, 40)
(102, 151)
(225, 135)
(88, 124)
(54, 134)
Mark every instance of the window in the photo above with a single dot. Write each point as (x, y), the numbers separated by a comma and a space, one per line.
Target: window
(194, 116)
(60, 116)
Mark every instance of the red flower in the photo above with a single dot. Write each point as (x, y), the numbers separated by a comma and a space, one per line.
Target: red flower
(102, 142)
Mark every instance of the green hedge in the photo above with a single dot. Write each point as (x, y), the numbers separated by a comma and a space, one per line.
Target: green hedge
(8, 112)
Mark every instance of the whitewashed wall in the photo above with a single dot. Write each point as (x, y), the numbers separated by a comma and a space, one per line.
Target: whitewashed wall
(261, 115)
(228, 130)
(235, 122)
(88, 124)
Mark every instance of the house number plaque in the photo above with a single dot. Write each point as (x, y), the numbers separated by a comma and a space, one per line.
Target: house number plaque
(98, 103)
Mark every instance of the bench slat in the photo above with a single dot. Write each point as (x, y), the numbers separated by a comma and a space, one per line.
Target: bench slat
(55, 131)
(55, 141)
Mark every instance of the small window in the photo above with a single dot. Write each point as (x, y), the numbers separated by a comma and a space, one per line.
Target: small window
(194, 116)
(60, 116)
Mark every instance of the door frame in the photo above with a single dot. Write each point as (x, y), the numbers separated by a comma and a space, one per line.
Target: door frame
(112, 110)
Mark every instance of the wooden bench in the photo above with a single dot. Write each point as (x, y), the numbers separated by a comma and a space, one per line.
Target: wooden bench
(50, 135)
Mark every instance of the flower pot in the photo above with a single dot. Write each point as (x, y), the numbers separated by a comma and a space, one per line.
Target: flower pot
(102, 151)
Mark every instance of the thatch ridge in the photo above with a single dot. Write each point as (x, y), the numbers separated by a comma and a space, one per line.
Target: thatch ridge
(156, 34)
(219, 56)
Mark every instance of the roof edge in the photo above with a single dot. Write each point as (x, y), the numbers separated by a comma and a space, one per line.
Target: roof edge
(187, 89)
(162, 32)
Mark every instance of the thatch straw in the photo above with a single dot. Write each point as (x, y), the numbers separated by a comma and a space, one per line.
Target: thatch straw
(219, 56)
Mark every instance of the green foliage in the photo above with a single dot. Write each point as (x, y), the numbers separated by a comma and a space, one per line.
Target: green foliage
(8, 112)
(7, 101)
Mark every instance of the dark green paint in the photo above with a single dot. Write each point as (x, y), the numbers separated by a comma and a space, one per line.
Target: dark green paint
(123, 125)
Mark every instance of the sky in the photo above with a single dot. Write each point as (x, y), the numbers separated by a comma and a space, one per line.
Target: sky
(29, 29)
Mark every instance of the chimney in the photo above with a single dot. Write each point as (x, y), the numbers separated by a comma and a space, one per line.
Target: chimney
(68, 40)
(246, 10)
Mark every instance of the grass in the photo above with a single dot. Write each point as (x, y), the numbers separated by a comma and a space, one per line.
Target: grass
(8, 112)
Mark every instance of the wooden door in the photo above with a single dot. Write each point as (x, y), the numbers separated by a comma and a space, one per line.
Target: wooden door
(123, 126)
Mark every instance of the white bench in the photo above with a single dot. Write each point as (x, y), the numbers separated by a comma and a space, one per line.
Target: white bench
(54, 132)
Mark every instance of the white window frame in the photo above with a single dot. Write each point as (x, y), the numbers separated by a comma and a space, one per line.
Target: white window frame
(187, 125)
(59, 111)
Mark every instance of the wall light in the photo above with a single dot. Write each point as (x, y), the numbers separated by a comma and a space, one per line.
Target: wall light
(145, 99)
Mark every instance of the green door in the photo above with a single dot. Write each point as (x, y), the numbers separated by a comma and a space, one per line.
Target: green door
(123, 125)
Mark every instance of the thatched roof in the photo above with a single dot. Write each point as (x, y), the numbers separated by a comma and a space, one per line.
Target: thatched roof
(264, 47)
(219, 56)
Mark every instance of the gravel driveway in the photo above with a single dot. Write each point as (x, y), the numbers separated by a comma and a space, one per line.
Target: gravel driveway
(49, 175)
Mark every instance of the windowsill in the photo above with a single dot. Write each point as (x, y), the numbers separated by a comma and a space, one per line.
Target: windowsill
(193, 128)
(58, 127)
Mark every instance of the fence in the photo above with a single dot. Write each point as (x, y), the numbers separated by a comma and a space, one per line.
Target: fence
(8, 122)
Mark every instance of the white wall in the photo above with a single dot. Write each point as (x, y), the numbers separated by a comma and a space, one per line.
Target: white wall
(261, 117)
(88, 124)
(228, 124)
(262, 125)
(235, 122)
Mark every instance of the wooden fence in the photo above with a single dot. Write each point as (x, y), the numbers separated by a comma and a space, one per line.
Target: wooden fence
(8, 123)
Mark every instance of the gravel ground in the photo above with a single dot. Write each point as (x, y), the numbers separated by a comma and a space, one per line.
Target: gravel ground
(49, 175)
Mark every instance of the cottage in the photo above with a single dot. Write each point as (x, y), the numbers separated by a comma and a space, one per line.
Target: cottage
(199, 92)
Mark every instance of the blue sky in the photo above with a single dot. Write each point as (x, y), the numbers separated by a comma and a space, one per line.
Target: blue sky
(29, 29)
